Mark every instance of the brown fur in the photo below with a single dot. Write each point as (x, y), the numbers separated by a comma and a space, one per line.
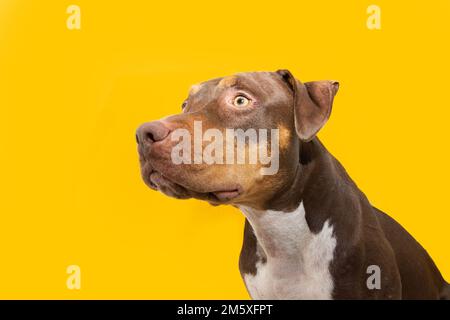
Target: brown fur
(307, 173)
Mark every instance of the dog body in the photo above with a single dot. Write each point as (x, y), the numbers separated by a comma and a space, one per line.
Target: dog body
(324, 248)
(310, 233)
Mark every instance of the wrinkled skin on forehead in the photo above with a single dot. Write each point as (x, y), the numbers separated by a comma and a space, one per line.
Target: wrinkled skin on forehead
(210, 102)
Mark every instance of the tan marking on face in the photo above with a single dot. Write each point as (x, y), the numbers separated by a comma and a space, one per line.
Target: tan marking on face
(227, 82)
(247, 174)
(285, 137)
(195, 88)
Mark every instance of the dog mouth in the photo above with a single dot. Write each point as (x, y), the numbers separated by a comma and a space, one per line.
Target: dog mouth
(160, 182)
(226, 195)
(167, 182)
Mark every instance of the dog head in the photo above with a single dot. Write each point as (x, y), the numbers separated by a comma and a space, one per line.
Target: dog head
(237, 139)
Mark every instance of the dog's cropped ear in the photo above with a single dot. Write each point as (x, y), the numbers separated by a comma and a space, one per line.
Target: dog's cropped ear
(312, 103)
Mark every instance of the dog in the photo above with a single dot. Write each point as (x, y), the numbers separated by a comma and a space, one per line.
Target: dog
(309, 233)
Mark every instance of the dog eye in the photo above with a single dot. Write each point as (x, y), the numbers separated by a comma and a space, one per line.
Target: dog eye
(183, 105)
(241, 101)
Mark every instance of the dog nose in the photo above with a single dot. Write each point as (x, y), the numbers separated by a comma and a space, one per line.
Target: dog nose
(151, 132)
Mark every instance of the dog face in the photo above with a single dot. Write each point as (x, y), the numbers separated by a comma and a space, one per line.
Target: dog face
(271, 103)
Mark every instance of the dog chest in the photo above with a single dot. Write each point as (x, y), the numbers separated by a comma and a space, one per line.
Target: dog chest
(296, 264)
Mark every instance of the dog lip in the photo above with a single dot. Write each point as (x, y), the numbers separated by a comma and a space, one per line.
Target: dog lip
(227, 194)
(148, 180)
(154, 177)
(151, 178)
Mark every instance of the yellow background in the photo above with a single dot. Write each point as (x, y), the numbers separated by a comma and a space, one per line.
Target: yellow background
(70, 101)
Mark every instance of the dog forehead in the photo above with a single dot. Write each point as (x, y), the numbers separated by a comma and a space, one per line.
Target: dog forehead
(204, 88)
(265, 85)
(260, 76)
(252, 80)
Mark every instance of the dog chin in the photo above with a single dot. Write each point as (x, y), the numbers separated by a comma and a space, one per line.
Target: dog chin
(159, 182)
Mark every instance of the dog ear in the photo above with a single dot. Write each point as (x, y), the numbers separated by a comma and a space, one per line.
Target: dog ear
(312, 103)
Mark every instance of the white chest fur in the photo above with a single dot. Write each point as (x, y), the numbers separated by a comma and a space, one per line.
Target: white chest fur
(297, 265)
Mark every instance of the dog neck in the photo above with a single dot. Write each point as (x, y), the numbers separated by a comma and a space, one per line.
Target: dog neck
(317, 177)
(307, 206)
